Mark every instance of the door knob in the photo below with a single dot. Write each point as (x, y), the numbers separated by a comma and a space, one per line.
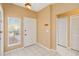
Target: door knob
(25, 34)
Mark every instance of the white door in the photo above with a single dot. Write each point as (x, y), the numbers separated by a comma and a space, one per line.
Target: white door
(29, 31)
(61, 31)
(74, 30)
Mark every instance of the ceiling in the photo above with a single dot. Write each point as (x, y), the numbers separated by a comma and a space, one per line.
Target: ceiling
(35, 6)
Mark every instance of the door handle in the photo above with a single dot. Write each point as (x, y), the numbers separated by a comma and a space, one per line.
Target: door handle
(25, 34)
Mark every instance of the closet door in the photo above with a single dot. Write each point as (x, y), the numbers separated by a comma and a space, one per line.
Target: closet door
(61, 31)
(74, 31)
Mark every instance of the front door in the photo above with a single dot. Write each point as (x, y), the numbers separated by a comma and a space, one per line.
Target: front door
(29, 31)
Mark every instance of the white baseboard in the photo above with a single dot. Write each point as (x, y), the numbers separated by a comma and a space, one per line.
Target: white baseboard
(29, 45)
(69, 48)
(46, 47)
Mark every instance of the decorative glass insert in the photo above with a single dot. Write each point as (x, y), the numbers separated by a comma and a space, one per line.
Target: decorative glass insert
(14, 31)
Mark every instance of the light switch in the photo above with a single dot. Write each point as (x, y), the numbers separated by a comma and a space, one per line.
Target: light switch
(47, 30)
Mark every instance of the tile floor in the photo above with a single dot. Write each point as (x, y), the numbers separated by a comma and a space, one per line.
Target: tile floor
(0, 52)
(66, 52)
(36, 50)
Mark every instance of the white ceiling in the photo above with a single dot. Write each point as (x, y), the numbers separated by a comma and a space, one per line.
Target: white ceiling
(35, 6)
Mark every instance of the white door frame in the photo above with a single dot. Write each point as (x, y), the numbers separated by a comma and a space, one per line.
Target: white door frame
(2, 41)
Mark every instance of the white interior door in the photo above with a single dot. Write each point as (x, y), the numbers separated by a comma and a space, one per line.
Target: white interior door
(29, 31)
(74, 30)
(61, 31)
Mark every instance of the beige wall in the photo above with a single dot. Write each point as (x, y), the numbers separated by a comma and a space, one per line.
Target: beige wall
(44, 18)
(64, 7)
(48, 15)
(11, 10)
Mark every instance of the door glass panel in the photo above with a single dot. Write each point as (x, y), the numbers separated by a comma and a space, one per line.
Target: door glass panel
(14, 31)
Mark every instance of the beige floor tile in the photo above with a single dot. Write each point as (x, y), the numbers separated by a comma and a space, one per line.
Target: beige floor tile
(36, 50)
